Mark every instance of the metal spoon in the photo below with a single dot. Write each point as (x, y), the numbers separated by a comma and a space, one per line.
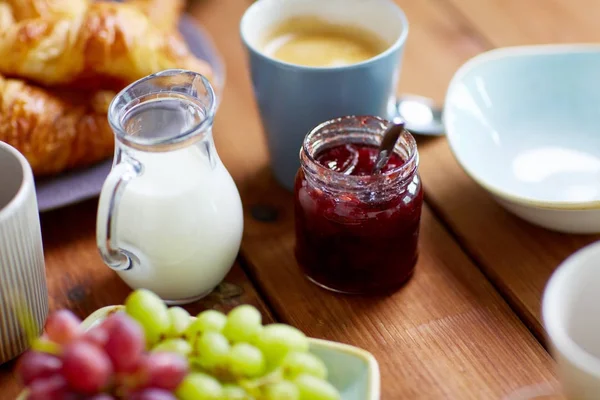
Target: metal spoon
(420, 115)
(386, 148)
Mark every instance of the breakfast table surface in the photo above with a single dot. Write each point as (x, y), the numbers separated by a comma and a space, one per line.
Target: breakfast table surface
(468, 324)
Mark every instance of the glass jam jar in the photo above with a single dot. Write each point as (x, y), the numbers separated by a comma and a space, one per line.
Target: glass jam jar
(357, 232)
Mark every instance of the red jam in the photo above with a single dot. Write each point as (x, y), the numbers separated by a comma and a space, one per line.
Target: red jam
(360, 240)
(341, 159)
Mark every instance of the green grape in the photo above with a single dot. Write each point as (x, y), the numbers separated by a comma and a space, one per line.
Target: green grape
(206, 321)
(151, 312)
(243, 324)
(199, 386)
(233, 392)
(246, 360)
(180, 320)
(178, 346)
(276, 340)
(193, 331)
(296, 363)
(312, 388)
(283, 390)
(44, 345)
(212, 350)
(253, 387)
(211, 320)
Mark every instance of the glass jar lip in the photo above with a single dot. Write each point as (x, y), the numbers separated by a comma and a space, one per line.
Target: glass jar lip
(116, 115)
(406, 169)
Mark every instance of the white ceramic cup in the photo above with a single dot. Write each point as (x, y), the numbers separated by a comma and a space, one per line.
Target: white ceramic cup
(23, 291)
(571, 314)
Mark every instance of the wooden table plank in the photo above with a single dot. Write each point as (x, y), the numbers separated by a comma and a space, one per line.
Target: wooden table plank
(237, 131)
(438, 41)
(516, 256)
(447, 334)
(78, 279)
(519, 22)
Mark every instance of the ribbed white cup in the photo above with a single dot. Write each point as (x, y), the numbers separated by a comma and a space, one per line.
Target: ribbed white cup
(23, 291)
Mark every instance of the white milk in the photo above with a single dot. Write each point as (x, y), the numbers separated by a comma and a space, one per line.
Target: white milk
(182, 219)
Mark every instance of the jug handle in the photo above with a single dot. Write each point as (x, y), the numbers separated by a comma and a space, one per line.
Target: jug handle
(106, 221)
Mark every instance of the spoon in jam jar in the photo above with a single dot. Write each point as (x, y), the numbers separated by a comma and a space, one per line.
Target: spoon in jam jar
(386, 148)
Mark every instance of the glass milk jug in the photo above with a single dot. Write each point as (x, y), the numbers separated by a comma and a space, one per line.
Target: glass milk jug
(170, 216)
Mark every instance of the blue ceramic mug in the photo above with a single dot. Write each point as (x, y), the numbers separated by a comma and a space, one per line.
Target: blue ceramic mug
(293, 99)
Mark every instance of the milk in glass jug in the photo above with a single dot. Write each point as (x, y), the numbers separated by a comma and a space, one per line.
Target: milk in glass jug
(170, 216)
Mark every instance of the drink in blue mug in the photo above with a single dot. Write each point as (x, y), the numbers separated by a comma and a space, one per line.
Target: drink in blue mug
(315, 60)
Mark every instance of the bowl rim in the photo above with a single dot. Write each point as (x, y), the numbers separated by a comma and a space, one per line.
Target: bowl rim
(373, 377)
(501, 53)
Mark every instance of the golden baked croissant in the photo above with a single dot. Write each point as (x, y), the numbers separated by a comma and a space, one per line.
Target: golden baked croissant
(108, 45)
(24, 9)
(6, 16)
(55, 130)
(164, 14)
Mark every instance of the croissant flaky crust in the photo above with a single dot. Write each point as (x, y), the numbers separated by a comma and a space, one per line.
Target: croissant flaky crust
(164, 14)
(54, 130)
(24, 9)
(108, 45)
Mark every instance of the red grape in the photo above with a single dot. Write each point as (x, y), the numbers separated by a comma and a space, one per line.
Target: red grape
(109, 322)
(97, 335)
(33, 365)
(152, 394)
(101, 396)
(50, 388)
(86, 367)
(125, 343)
(164, 370)
(62, 326)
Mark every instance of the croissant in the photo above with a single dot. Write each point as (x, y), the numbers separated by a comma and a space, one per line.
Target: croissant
(109, 45)
(55, 130)
(25, 9)
(164, 14)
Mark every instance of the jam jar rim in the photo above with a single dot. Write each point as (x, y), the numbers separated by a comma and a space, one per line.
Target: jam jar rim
(362, 182)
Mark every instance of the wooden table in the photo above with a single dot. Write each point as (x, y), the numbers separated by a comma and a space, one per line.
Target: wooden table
(468, 324)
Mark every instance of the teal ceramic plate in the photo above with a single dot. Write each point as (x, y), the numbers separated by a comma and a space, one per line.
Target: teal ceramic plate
(353, 371)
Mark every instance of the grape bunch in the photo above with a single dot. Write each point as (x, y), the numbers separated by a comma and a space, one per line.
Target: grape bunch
(152, 352)
(233, 357)
(105, 363)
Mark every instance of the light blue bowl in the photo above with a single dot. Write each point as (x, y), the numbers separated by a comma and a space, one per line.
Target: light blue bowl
(353, 371)
(523, 122)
